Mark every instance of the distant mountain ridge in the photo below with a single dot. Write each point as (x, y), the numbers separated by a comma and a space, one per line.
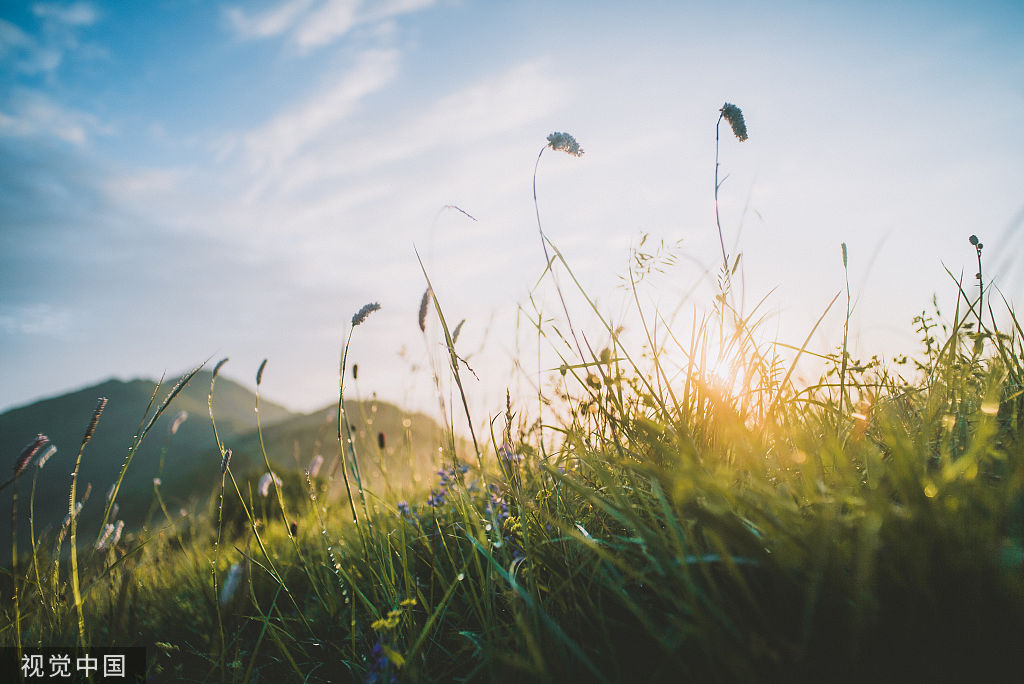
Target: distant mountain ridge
(64, 420)
(396, 449)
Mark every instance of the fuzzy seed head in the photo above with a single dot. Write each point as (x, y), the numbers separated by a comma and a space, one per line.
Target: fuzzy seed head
(100, 405)
(364, 312)
(734, 116)
(50, 451)
(29, 452)
(225, 461)
(423, 310)
(315, 465)
(265, 482)
(178, 420)
(563, 142)
(259, 373)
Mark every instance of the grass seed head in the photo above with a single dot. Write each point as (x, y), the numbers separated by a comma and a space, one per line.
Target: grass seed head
(364, 312)
(423, 310)
(100, 405)
(178, 420)
(29, 452)
(734, 116)
(563, 142)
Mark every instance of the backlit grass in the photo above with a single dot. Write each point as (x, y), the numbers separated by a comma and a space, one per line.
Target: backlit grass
(685, 512)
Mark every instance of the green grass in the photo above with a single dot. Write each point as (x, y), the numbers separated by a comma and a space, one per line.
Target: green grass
(685, 512)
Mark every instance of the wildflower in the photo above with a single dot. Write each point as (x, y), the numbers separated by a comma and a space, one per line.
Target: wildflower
(403, 508)
(178, 420)
(227, 592)
(734, 116)
(315, 464)
(362, 314)
(264, 486)
(563, 142)
(29, 452)
(381, 657)
(508, 455)
(436, 499)
(423, 310)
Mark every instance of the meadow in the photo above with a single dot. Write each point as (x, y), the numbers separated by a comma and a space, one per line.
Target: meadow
(685, 511)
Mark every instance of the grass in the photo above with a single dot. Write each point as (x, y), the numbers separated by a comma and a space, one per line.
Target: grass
(684, 511)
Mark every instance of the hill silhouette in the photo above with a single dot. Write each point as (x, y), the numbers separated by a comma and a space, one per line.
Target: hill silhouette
(64, 420)
(397, 451)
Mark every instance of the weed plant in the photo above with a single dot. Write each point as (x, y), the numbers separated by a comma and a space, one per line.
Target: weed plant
(693, 515)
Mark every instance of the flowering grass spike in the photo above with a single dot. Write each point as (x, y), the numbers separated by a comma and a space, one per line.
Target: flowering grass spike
(563, 142)
(362, 314)
(734, 116)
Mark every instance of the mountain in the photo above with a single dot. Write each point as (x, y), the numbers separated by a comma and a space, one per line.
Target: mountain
(65, 418)
(397, 452)
(394, 449)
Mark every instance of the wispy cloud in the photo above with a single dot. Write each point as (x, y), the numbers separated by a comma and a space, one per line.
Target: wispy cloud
(270, 22)
(75, 14)
(33, 114)
(270, 146)
(57, 34)
(35, 319)
(314, 23)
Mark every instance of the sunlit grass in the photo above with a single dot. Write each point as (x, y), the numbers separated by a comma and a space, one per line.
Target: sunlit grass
(684, 511)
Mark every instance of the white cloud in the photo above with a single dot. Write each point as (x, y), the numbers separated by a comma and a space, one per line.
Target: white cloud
(77, 14)
(467, 117)
(314, 23)
(12, 38)
(34, 114)
(270, 146)
(44, 52)
(331, 20)
(269, 23)
(35, 319)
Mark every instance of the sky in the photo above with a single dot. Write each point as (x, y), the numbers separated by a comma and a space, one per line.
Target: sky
(184, 180)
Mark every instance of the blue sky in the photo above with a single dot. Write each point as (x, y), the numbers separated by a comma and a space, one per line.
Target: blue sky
(185, 180)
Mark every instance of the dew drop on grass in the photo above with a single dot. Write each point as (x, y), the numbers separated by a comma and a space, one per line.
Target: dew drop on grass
(461, 576)
(488, 527)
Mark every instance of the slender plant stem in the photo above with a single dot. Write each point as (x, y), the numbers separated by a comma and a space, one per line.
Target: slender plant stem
(718, 221)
